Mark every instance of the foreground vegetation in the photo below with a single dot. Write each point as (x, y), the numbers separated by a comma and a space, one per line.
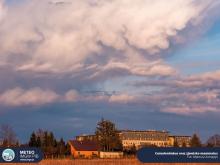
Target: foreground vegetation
(105, 162)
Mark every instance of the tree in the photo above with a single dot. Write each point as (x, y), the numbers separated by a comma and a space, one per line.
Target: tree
(214, 141)
(107, 136)
(45, 139)
(33, 140)
(68, 148)
(61, 147)
(49, 144)
(210, 145)
(38, 142)
(8, 136)
(184, 144)
(40, 133)
(133, 150)
(195, 141)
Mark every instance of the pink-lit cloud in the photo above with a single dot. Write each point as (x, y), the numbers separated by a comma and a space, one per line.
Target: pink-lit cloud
(122, 98)
(186, 95)
(189, 110)
(21, 97)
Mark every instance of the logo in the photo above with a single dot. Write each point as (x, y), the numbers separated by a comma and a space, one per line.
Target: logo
(8, 155)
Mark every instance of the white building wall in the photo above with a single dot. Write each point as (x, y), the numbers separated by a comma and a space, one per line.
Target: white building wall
(104, 155)
(138, 143)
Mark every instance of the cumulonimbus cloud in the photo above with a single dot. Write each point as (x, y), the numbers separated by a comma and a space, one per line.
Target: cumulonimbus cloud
(46, 36)
(95, 39)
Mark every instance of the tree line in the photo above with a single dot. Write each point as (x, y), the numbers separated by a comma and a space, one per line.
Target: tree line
(51, 147)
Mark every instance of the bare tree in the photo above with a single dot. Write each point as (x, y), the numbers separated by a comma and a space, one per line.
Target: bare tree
(8, 135)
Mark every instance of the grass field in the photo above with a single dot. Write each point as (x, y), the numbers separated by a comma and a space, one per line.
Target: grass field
(102, 162)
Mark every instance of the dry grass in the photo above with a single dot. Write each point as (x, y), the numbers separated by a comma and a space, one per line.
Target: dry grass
(103, 162)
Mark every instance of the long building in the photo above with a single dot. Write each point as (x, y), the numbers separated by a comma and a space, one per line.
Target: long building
(86, 138)
(181, 141)
(142, 138)
(131, 138)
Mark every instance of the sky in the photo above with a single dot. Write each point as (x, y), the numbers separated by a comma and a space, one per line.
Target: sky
(142, 64)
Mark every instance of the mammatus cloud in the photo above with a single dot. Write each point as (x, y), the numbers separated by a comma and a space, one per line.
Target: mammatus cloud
(141, 69)
(74, 35)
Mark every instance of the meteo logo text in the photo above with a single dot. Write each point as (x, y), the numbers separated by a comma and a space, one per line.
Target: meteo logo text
(27, 152)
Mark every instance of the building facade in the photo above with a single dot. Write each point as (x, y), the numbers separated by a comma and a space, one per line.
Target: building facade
(181, 141)
(140, 139)
(86, 138)
(111, 155)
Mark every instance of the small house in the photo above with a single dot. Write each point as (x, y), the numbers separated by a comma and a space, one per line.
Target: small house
(83, 149)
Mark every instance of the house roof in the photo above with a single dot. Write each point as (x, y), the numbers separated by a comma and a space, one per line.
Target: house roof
(84, 145)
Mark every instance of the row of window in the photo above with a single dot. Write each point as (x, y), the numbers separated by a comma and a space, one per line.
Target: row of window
(144, 136)
(126, 143)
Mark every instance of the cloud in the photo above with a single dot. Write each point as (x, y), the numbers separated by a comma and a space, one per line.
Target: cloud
(2, 9)
(37, 96)
(190, 95)
(22, 97)
(122, 98)
(72, 96)
(186, 95)
(66, 36)
(157, 68)
(188, 110)
(190, 103)
(91, 41)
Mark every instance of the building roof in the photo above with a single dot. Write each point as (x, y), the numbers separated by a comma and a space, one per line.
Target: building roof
(156, 131)
(85, 135)
(84, 145)
(181, 136)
